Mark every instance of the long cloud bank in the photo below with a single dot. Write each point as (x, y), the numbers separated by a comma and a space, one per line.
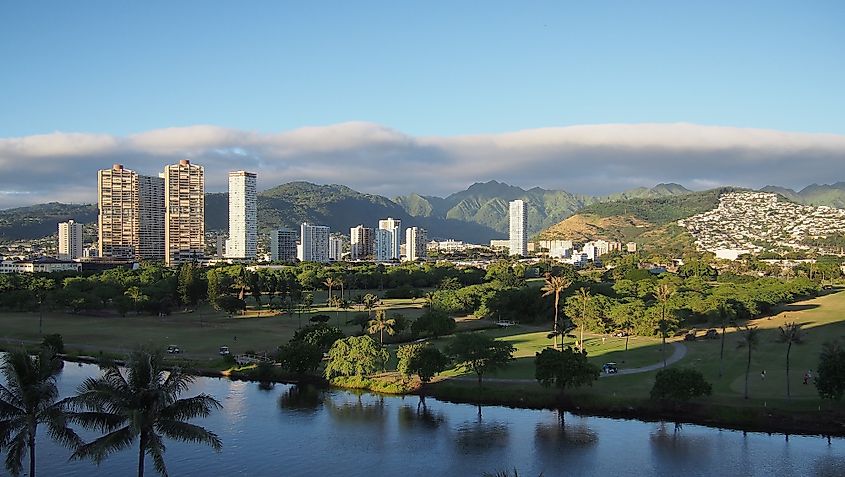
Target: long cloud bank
(593, 159)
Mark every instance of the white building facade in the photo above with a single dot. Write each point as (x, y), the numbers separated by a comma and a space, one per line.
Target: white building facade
(314, 243)
(70, 240)
(243, 216)
(518, 228)
(394, 226)
(416, 240)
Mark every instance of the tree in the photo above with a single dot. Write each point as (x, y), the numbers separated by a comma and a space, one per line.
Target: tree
(54, 344)
(189, 285)
(663, 293)
(320, 335)
(830, 381)
(422, 359)
(231, 304)
(727, 312)
(555, 286)
(583, 297)
(137, 295)
(255, 286)
(434, 322)
(380, 324)
(564, 368)
(750, 337)
(355, 356)
(789, 333)
(329, 283)
(300, 357)
(680, 384)
(479, 353)
(369, 302)
(144, 406)
(29, 399)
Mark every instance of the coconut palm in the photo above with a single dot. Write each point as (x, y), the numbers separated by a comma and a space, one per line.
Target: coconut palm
(749, 340)
(329, 283)
(28, 399)
(369, 302)
(663, 293)
(380, 324)
(144, 406)
(554, 286)
(789, 333)
(584, 299)
(726, 315)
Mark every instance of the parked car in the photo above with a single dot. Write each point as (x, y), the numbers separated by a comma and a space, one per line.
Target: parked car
(173, 349)
(621, 334)
(690, 336)
(224, 351)
(711, 334)
(609, 368)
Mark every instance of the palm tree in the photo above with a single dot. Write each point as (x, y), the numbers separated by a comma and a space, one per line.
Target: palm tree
(726, 314)
(663, 293)
(554, 286)
(789, 333)
(749, 340)
(339, 283)
(27, 400)
(143, 405)
(380, 324)
(329, 283)
(584, 299)
(369, 302)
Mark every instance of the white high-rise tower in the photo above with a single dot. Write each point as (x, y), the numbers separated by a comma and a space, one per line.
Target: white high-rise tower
(70, 240)
(243, 216)
(394, 226)
(518, 228)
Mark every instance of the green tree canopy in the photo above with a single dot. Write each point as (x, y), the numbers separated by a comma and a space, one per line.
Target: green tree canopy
(422, 359)
(355, 356)
(479, 353)
(680, 384)
(566, 368)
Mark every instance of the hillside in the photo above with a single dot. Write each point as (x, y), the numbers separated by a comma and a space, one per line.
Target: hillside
(831, 195)
(486, 203)
(41, 220)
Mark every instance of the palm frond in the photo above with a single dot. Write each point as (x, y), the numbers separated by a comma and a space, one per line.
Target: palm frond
(155, 449)
(190, 408)
(15, 452)
(185, 432)
(99, 448)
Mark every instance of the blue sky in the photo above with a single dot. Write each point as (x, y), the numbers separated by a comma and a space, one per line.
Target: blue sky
(427, 68)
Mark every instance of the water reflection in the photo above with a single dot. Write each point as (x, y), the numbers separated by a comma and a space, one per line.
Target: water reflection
(829, 466)
(358, 410)
(479, 436)
(302, 397)
(669, 442)
(420, 416)
(561, 435)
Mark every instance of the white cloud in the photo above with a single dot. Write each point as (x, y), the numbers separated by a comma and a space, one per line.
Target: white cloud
(594, 159)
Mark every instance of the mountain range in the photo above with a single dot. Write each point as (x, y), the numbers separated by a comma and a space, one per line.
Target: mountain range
(477, 214)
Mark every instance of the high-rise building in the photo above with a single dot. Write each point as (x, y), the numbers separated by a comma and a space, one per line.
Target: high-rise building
(184, 195)
(394, 226)
(118, 218)
(314, 243)
(518, 228)
(283, 245)
(70, 240)
(383, 245)
(336, 247)
(361, 241)
(151, 218)
(415, 243)
(243, 219)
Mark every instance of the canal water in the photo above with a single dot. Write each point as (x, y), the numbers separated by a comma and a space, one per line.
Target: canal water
(293, 431)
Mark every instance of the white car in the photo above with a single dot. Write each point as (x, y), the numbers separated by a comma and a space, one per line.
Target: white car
(224, 351)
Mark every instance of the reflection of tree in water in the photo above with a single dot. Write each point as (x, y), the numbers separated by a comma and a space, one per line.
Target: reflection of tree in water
(420, 416)
(668, 440)
(561, 435)
(302, 397)
(266, 385)
(357, 410)
(480, 436)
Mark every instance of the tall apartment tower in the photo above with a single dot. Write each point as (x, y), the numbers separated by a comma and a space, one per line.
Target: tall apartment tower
(518, 228)
(243, 216)
(184, 202)
(314, 242)
(415, 243)
(394, 226)
(70, 240)
(151, 218)
(283, 245)
(361, 241)
(336, 248)
(382, 245)
(118, 218)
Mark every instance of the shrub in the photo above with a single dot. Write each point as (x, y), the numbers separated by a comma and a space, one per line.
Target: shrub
(55, 343)
(680, 384)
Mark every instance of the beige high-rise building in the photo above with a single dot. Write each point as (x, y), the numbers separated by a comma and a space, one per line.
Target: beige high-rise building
(151, 218)
(70, 240)
(118, 219)
(361, 241)
(184, 208)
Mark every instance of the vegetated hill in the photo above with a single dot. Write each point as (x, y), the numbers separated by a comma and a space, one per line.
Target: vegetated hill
(660, 210)
(487, 203)
(585, 227)
(41, 220)
(831, 195)
(338, 207)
